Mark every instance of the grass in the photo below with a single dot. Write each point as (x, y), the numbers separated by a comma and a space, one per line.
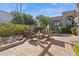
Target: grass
(76, 48)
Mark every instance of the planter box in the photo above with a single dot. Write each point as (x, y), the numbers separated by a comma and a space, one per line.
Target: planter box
(10, 45)
(11, 39)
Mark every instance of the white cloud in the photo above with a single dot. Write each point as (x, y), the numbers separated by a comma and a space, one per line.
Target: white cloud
(55, 10)
(48, 12)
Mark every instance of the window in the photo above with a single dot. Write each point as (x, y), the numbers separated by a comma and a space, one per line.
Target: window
(69, 20)
(56, 24)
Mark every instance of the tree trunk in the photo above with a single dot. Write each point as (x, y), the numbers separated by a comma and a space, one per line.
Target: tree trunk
(49, 35)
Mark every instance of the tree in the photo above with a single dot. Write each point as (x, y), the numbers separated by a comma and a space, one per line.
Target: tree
(17, 18)
(44, 20)
(27, 19)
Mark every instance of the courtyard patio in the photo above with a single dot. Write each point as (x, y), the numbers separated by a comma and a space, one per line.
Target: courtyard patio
(58, 46)
(39, 36)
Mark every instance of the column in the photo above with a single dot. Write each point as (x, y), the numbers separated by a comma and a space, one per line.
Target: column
(77, 12)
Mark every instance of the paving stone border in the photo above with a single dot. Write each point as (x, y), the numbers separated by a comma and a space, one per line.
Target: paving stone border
(10, 45)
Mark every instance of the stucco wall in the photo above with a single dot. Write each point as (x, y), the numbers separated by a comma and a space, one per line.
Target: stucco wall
(67, 14)
(64, 15)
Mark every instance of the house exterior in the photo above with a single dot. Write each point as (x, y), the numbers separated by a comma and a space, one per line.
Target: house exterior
(66, 18)
(77, 19)
(5, 17)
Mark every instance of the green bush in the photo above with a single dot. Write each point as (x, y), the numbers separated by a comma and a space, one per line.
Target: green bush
(76, 48)
(10, 29)
(73, 30)
(6, 29)
(19, 29)
(40, 28)
(64, 29)
(1, 41)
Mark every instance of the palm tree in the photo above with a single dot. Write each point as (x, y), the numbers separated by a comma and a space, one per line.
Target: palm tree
(16, 7)
(20, 5)
(19, 10)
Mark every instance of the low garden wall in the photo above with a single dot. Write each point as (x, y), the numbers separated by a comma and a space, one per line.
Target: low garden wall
(10, 39)
(10, 45)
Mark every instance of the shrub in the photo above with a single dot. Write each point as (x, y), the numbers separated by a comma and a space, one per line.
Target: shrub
(76, 48)
(1, 41)
(19, 29)
(11, 29)
(6, 29)
(64, 29)
(73, 30)
(40, 28)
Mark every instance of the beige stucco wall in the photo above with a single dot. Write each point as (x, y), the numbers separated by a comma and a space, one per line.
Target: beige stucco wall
(64, 16)
(69, 13)
(58, 18)
(77, 7)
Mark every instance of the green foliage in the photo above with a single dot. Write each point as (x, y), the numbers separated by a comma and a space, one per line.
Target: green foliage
(19, 29)
(28, 19)
(76, 48)
(44, 20)
(6, 29)
(10, 29)
(17, 18)
(22, 19)
(64, 29)
(73, 30)
(1, 40)
(41, 27)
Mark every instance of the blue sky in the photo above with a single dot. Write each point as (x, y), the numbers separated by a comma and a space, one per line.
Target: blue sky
(47, 9)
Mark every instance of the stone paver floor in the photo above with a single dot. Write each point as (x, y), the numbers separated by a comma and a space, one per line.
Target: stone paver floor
(59, 46)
